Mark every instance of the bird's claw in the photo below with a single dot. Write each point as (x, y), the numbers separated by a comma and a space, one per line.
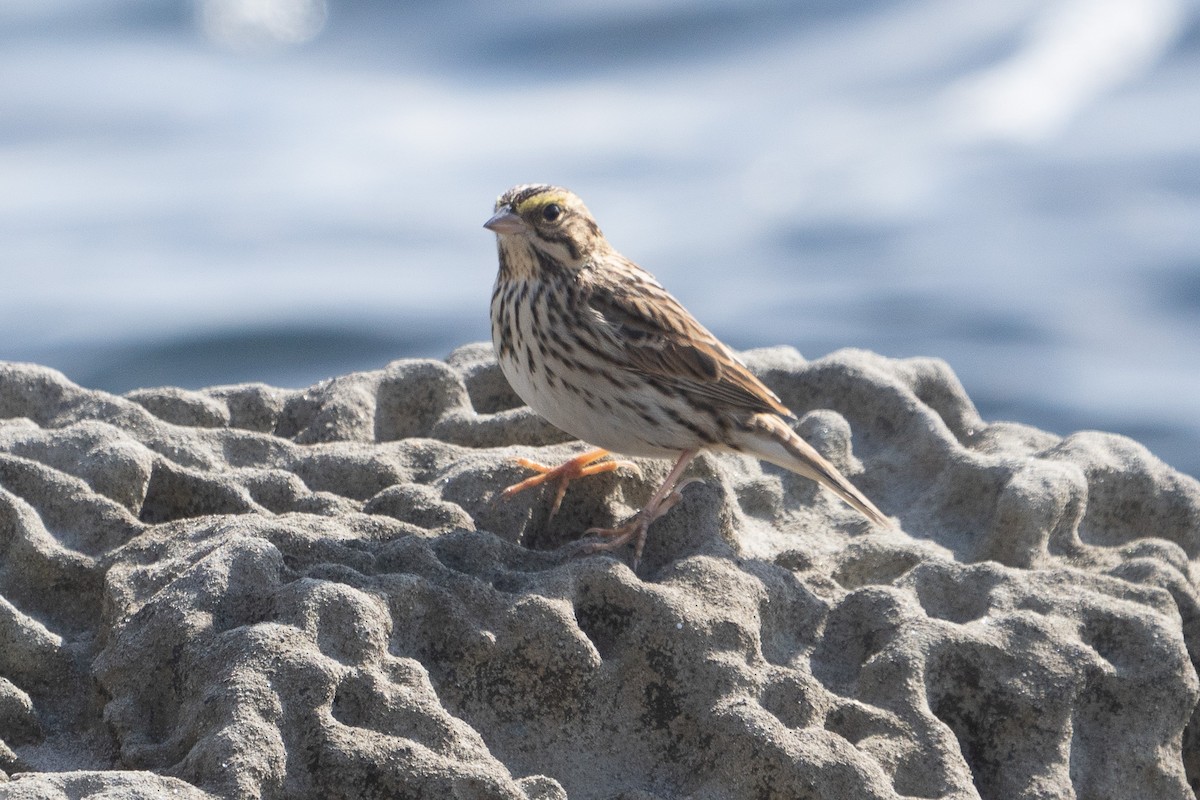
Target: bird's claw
(637, 528)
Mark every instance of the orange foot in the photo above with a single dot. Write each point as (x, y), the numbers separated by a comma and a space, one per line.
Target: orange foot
(578, 467)
(666, 498)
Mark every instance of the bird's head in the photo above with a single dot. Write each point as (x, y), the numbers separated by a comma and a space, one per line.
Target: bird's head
(547, 222)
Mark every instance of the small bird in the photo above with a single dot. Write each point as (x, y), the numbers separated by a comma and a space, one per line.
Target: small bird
(596, 345)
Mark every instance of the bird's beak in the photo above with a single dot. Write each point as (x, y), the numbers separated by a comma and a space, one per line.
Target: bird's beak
(505, 221)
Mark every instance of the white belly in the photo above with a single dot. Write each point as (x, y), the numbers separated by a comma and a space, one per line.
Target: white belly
(585, 416)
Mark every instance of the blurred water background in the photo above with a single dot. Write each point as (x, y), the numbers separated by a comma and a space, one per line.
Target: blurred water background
(222, 191)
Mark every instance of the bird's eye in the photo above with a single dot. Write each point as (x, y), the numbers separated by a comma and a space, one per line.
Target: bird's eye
(552, 212)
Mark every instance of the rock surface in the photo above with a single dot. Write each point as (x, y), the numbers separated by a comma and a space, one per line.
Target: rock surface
(250, 592)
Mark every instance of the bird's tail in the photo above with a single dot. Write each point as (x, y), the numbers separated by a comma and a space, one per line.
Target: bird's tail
(774, 441)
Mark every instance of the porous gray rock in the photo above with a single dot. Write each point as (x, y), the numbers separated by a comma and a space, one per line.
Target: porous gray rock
(251, 592)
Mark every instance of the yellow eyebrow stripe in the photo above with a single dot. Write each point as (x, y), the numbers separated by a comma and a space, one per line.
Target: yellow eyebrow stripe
(539, 200)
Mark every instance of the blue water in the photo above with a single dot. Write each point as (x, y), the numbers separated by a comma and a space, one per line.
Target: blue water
(283, 190)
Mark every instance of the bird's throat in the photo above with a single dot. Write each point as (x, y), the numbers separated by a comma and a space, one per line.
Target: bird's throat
(518, 258)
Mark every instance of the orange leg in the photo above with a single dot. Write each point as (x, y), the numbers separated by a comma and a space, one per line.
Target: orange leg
(578, 467)
(667, 496)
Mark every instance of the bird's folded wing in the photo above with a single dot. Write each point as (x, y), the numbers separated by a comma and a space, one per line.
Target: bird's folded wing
(652, 332)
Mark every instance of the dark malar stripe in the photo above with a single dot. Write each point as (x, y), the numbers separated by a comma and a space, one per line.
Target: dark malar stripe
(548, 265)
(565, 239)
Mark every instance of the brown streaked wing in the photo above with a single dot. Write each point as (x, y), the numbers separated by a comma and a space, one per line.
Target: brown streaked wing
(657, 336)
